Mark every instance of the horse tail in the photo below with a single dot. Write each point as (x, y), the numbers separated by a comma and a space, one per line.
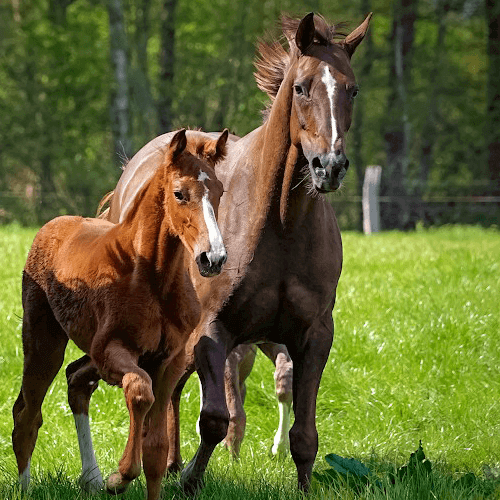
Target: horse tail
(105, 199)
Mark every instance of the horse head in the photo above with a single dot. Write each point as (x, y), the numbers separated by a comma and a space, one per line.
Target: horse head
(318, 71)
(192, 196)
(324, 88)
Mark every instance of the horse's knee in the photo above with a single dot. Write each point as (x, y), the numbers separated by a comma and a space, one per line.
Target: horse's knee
(138, 391)
(213, 426)
(303, 445)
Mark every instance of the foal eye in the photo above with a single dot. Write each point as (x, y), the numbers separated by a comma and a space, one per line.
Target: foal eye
(354, 92)
(179, 196)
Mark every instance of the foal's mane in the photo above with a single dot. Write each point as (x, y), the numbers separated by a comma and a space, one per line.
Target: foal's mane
(273, 58)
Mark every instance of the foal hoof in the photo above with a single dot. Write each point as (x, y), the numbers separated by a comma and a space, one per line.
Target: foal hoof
(116, 484)
(93, 486)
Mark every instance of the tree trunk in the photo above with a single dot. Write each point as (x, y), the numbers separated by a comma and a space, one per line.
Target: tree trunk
(429, 131)
(396, 214)
(120, 119)
(493, 103)
(167, 61)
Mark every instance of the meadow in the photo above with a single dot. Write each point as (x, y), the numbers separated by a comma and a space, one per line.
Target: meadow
(415, 358)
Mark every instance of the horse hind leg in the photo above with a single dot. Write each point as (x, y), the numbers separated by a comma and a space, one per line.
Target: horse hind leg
(83, 379)
(44, 343)
(238, 366)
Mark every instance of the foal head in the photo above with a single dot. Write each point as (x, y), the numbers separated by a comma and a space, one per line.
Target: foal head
(324, 88)
(192, 195)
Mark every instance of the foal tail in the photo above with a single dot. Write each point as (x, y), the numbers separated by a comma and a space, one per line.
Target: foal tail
(105, 199)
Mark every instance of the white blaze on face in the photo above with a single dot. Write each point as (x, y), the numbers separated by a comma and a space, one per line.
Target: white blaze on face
(216, 243)
(330, 85)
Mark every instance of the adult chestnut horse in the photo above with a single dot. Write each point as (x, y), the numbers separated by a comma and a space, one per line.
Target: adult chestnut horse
(283, 241)
(124, 295)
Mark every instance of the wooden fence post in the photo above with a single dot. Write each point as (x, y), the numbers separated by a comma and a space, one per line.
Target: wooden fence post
(371, 210)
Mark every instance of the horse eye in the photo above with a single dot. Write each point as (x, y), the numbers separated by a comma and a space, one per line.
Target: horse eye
(179, 196)
(354, 92)
(298, 89)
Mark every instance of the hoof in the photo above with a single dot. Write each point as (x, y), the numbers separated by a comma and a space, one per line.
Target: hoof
(190, 486)
(92, 485)
(117, 484)
(174, 468)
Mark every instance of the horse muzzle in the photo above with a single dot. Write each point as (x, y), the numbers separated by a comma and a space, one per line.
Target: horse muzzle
(328, 171)
(211, 263)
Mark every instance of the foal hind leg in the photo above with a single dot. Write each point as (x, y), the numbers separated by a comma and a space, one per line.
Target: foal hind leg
(44, 343)
(118, 366)
(83, 379)
(283, 378)
(238, 366)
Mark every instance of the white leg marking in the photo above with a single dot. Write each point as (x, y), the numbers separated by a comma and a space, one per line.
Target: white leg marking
(281, 439)
(24, 477)
(91, 479)
(330, 85)
(216, 243)
(201, 406)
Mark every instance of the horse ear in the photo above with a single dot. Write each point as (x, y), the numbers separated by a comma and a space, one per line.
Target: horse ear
(353, 39)
(215, 150)
(220, 147)
(178, 143)
(305, 32)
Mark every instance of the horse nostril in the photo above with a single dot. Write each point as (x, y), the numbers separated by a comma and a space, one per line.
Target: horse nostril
(203, 260)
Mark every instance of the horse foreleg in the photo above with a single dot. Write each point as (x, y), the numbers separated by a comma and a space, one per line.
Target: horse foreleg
(308, 363)
(83, 379)
(174, 461)
(210, 356)
(118, 366)
(283, 379)
(155, 446)
(238, 366)
(44, 344)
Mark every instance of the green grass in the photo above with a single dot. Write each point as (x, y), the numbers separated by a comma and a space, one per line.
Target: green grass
(416, 356)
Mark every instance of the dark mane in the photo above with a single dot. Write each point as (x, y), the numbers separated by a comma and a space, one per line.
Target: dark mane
(272, 58)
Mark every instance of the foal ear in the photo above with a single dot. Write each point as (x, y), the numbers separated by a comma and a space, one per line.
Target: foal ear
(178, 143)
(305, 32)
(215, 150)
(354, 38)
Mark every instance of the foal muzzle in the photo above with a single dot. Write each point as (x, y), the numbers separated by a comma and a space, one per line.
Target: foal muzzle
(211, 263)
(328, 171)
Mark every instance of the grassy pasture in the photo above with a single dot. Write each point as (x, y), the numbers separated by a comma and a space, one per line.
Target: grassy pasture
(415, 357)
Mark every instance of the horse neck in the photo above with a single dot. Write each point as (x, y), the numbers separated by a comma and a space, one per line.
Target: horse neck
(279, 158)
(147, 229)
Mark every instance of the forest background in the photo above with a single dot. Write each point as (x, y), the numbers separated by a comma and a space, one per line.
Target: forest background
(84, 84)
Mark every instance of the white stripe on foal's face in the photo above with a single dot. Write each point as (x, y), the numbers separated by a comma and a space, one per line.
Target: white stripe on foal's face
(330, 85)
(216, 243)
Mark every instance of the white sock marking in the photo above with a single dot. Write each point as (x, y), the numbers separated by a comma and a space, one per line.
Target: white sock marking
(91, 478)
(24, 477)
(281, 439)
(330, 85)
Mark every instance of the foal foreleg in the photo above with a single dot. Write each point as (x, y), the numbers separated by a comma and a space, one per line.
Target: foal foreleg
(83, 379)
(156, 444)
(118, 365)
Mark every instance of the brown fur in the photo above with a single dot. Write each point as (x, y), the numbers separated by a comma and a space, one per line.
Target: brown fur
(124, 295)
(284, 245)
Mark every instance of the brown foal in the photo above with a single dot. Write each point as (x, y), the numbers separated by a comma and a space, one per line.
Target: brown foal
(124, 295)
